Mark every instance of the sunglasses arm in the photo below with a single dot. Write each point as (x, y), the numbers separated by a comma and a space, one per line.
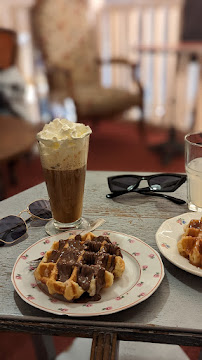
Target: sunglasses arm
(148, 193)
(115, 194)
(122, 192)
(171, 198)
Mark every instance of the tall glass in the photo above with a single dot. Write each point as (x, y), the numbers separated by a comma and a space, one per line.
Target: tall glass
(64, 164)
(193, 163)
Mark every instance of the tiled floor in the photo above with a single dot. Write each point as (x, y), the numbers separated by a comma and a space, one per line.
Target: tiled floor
(70, 349)
(127, 351)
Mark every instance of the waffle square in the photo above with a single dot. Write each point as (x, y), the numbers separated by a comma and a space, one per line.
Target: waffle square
(80, 264)
(190, 244)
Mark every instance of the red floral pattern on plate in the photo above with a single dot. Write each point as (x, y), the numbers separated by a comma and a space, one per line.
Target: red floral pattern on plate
(124, 293)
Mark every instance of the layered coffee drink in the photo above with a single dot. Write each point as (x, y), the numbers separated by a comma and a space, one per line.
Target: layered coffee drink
(63, 149)
(66, 205)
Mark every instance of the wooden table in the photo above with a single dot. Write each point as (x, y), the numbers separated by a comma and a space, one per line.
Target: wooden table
(171, 315)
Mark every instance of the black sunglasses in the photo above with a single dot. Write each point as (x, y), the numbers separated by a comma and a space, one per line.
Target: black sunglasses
(12, 227)
(166, 182)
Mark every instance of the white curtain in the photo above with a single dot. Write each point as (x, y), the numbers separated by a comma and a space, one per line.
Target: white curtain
(131, 29)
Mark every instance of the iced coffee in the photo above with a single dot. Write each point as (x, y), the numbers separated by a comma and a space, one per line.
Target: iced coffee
(63, 147)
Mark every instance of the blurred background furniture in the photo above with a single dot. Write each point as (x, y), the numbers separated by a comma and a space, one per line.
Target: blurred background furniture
(135, 25)
(186, 53)
(17, 136)
(15, 15)
(147, 30)
(67, 36)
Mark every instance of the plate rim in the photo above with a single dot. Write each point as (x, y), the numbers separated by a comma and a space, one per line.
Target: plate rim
(193, 269)
(112, 311)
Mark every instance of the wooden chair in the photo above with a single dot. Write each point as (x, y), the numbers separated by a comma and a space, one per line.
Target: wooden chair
(17, 136)
(68, 41)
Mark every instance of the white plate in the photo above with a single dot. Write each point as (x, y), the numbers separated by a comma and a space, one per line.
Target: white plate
(143, 274)
(169, 234)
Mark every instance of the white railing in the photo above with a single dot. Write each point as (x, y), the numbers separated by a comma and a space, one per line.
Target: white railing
(148, 32)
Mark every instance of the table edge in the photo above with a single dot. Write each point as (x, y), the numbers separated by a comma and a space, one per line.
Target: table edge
(86, 328)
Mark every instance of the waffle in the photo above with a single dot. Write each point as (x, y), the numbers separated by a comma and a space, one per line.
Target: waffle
(80, 264)
(190, 244)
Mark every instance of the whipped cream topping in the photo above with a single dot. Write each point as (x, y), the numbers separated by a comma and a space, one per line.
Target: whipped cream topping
(63, 145)
(62, 129)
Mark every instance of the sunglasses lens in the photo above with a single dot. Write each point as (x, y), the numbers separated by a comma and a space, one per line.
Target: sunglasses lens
(166, 182)
(41, 209)
(122, 183)
(11, 229)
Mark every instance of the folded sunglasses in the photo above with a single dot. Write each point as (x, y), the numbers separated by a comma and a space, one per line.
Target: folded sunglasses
(12, 227)
(157, 183)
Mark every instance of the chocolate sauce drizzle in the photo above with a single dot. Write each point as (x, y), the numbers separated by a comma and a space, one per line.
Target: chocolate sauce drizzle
(89, 259)
(197, 224)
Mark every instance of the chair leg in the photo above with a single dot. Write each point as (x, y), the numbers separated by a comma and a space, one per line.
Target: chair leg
(170, 149)
(141, 121)
(12, 172)
(2, 188)
(104, 347)
(44, 347)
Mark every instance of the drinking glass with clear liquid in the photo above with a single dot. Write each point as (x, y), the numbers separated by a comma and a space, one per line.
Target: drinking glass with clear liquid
(193, 164)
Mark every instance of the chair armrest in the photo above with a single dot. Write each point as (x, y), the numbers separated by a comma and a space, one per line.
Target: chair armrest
(123, 61)
(120, 60)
